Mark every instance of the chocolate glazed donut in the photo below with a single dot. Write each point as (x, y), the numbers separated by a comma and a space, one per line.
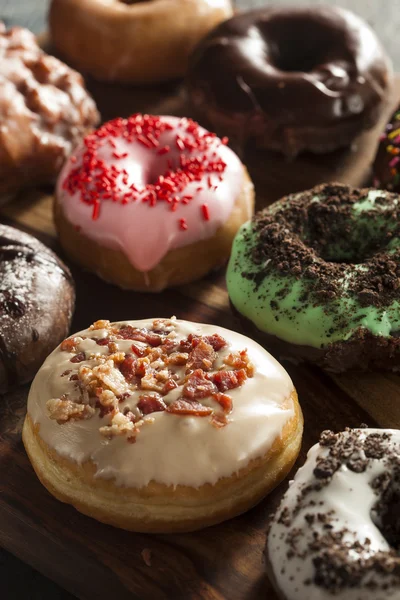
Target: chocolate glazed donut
(36, 304)
(291, 79)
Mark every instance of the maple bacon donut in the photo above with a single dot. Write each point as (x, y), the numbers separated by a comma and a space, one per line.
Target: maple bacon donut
(133, 42)
(161, 425)
(336, 532)
(149, 202)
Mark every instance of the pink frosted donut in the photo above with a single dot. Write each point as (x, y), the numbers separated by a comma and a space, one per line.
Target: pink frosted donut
(149, 202)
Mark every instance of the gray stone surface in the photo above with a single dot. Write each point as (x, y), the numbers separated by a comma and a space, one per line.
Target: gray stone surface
(18, 581)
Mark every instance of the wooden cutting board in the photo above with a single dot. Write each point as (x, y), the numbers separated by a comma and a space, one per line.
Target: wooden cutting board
(224, 562)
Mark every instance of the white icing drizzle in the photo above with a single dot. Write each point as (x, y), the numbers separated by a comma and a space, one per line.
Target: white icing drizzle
(348, 499)
(172, 449)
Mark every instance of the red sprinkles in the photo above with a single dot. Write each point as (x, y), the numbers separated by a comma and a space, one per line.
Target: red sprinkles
(96, 181)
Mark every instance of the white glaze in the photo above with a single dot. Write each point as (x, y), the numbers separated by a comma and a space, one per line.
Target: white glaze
(173, 449)
(351, 498)
(146, 234)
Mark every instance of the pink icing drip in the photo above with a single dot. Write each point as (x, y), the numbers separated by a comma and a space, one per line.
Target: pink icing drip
(144, 233)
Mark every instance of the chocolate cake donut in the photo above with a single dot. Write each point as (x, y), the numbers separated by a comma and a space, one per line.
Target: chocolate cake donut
(386, 166)
(316, 277)
(336, 532)
(36, 304)
(290, 78)
(44, 111)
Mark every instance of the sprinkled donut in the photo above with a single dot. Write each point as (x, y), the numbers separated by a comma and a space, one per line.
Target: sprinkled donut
(386, 166)
(161, 424)
(316, 277)
(149, 202)
(336, 533)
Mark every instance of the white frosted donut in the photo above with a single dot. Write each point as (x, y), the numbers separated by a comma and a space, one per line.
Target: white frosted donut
(161, 425)
(149, 202)
(336, 533)
(133, 42)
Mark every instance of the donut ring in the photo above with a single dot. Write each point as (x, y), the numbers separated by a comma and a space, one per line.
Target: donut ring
(132, 42)
(315, 93)
(150, 202)
(336, 532)
(316, 277)
(161, 425)
(36, 304)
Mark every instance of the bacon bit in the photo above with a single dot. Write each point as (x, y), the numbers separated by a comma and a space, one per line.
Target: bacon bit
(100, 324)
(216, 341)
(81, 356)
(67, 372)
(74, 377)
(139, 351)
(218, 420)
(201, 357)
(240, 360)
(169, 385)
(127, 332)
(183, 224)
(224, 401)
(128, 368)
(103, 341)
(205, 212)
(170, 346)
(104, 410)
(177, 358)
(68, 345)
(149, 403)
(229, 380)
(185, 407)
(198, 386)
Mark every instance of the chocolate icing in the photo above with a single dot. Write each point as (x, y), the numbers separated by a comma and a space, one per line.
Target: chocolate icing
(291, 78)
(36, 303)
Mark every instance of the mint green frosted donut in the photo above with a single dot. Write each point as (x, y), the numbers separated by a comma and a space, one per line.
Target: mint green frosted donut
(319, 273)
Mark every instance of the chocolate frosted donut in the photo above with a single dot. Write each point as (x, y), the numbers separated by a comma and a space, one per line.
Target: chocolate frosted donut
(36, 304)
(291, 79)
(316, 277)
(336, 533)
(44, 111)
(387, 161)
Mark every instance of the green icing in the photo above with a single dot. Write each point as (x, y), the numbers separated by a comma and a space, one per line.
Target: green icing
(289, 317)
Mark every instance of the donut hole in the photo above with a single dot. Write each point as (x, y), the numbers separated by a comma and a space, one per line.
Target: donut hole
(300, 42)
(385, 515)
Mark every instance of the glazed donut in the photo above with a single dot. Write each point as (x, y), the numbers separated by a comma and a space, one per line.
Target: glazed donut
(316, 277)
(150, 202)
(336, 532)
(316, 93)
(133, 42)
(161, 425)
(36, 305)
(44, 111)
(386, 166)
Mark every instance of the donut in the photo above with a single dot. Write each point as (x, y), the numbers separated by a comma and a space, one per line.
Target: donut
(149, 202)
(336, 531)
(45, 111)
(386, 167)
(316, 93)
(36, 304)
(132, 42)
(316, 277)
(161, 425)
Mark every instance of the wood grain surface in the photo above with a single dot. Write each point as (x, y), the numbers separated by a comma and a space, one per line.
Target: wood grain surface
(225, 562)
